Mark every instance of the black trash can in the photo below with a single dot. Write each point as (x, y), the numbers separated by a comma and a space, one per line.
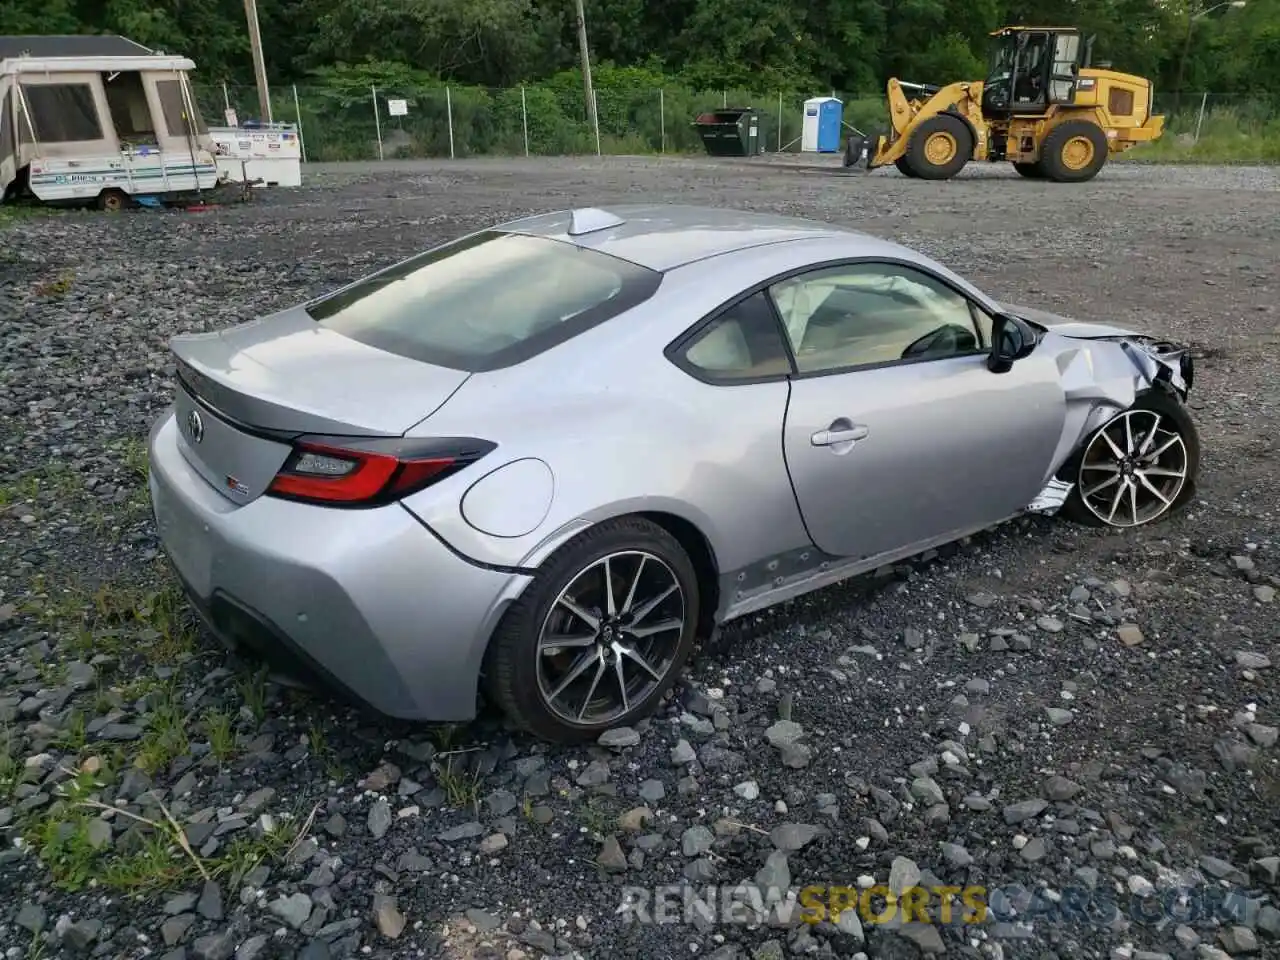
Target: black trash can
(732, 132)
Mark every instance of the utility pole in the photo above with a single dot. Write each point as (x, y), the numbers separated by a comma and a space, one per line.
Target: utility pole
(588, 87)
(1186, 43)
(259, 65)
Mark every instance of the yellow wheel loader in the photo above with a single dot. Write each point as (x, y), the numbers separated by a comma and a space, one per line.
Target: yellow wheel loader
(1042, 107)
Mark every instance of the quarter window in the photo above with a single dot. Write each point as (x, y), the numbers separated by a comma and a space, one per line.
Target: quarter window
(868, 314)
(742, 343)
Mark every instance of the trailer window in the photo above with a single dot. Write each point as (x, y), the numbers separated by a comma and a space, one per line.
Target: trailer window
(176, 119)
(6, 126)
(63, 112)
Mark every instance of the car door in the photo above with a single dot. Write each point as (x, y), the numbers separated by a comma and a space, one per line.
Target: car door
(897, 434)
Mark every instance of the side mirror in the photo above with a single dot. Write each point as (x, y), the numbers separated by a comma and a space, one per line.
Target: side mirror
(1011, 339)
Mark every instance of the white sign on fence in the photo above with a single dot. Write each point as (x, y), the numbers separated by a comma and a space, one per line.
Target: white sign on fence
(397, 108)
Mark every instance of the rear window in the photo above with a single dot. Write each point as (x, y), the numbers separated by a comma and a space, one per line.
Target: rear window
(486, 301)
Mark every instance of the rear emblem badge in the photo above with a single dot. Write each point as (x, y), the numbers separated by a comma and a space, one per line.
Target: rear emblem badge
(195, 426)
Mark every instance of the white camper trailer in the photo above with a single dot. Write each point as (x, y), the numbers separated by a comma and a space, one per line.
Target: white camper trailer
(99, 119)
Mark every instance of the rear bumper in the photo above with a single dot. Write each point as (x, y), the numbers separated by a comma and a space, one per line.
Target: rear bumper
(365, 602)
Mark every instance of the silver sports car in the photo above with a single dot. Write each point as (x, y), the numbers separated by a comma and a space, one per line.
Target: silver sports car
(539, 461)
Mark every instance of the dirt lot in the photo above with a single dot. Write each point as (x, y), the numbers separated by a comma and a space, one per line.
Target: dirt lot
(973, 720)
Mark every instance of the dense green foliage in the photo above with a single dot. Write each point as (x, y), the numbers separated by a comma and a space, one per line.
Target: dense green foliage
(513, 64)
(700, 44)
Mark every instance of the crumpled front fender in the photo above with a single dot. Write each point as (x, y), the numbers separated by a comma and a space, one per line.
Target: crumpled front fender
(1101, 376)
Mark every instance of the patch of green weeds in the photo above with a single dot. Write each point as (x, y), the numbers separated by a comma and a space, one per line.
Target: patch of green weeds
(166, 736)
(461, 786)
(217, 725)
(252, 688)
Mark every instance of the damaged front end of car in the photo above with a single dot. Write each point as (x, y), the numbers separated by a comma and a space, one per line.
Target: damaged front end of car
(1099, 384)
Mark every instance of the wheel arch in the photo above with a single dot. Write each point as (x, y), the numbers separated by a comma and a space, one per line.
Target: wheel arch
(689, 530)
(1165, 395)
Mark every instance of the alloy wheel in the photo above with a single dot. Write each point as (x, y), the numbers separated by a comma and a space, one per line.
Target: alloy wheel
(1133, 469)
(610, 638)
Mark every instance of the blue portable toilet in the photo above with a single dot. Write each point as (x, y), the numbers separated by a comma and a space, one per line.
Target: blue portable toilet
(823, 118)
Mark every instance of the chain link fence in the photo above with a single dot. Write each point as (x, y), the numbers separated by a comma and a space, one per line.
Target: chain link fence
(544, 120)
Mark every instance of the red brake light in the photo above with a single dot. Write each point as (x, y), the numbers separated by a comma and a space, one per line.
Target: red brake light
(369, 473)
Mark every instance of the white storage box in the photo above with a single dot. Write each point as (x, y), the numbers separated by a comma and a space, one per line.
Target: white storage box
(269, 153)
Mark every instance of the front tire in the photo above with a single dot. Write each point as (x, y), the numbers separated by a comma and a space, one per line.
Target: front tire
(904, 168)
(939, 147)
(600, 636)
(1138, 468)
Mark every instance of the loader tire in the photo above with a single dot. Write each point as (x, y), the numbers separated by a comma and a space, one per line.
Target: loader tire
(904, 168)
(939, 148)
(1032, 171)
(1073, 152)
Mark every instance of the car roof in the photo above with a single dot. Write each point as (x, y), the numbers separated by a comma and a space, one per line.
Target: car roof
(665, 236)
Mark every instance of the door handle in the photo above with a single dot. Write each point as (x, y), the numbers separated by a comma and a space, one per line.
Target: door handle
(829, 438)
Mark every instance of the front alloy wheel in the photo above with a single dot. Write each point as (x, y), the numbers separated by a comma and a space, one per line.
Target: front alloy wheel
(599, 636)
(1133, 469)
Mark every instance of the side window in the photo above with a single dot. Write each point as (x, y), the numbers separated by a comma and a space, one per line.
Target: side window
(743, 343)
(873, 313)
(6, 126)
(62, 112)
(174, 107)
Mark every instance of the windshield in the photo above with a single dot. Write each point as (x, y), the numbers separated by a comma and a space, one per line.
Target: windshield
(486, 301)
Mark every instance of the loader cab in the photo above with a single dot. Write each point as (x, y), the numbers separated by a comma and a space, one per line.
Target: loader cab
(1032, 69)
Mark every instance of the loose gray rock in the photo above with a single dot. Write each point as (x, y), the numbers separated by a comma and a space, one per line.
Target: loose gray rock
(683, 753)
(1060, 789)
(903, 875)
(31, 917)
(619, 738)
(387, 916)
(82, 933)
(696, 841)
(293, 910)
(784, 733)
(210, 904)
(612, 859)
(789, 837)
(379, 820)
(464, 831)
(1016, 813)
(215, 946)
(775, 875)
(651, 791)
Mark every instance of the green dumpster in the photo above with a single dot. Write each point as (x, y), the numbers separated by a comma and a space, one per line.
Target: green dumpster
(730, 132)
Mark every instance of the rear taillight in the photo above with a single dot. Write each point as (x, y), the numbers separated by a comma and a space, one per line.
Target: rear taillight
(351, 472)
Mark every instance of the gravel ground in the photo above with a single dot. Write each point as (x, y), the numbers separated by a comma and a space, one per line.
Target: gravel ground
(1088, 718)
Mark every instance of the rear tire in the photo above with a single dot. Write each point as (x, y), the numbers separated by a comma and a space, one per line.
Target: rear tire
(113, 201)
(1073, 152)
(1091, 467)
(939, 147)
(1032, 171)
(643, 647)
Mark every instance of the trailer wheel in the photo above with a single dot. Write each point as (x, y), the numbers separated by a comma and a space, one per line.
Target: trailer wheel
(939, 147)
(1032, 171)
(1073, 152)
(113, 201)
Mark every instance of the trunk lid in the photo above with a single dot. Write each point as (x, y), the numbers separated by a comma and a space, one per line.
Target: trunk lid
(246, 392)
